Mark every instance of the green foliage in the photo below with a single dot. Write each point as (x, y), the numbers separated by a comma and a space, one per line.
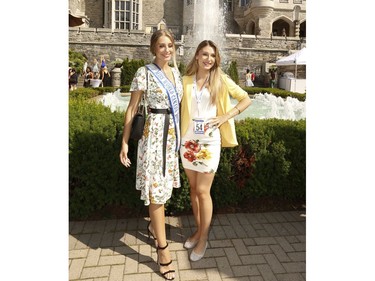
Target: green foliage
(88, 93)
(96, 176)
(233, 72)
(77, 60)
(182, 68)
(223, 191)
(128, 69)
(276, 92)
(270, 160)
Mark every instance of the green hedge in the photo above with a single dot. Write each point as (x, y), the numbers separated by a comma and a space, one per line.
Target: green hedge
(96, 176)
(270, 161)
(275, 91)
(128, 69)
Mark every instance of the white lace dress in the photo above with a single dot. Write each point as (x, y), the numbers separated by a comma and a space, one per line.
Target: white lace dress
(154, 186)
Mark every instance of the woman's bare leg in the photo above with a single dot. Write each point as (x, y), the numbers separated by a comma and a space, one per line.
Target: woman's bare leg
(201, 202)
(203, 188)
(157, 216)
(192, 177)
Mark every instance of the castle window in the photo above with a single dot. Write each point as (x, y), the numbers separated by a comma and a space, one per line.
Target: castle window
(127, 14)
(244, 3)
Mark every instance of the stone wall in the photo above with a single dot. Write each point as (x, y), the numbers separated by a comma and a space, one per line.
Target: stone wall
(94, 11)
(153, 13)
(246, 50)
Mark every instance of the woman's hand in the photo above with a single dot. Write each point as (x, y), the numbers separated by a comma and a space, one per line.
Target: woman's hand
(124, 156)
(130, 112)
(218, 121)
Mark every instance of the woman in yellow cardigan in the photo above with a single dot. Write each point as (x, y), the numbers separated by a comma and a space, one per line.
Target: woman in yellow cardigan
(206, 125)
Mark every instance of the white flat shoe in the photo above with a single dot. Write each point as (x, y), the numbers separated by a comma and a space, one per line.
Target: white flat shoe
(190, 245)
(196, 257)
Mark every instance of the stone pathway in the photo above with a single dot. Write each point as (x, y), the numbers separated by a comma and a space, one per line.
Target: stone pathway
(253, 247)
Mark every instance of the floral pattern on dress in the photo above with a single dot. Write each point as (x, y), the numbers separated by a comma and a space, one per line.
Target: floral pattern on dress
(197, 153)
(154, 187)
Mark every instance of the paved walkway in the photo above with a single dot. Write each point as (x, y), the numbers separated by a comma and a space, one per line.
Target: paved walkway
(256, 247)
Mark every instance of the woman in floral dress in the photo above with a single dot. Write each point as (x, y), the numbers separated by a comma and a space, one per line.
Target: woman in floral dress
(206, 125)
(157, 158)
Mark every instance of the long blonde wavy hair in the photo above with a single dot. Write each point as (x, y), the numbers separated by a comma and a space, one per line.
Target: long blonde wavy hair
(214, 83)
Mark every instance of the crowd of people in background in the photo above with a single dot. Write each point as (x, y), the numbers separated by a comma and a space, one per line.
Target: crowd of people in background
(94, 76)
(98, 75)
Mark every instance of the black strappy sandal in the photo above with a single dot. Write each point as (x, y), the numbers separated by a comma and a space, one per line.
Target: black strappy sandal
(150, 234)
(164, 264)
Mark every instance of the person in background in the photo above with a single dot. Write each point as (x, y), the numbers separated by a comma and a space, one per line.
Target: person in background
(157, 171)
(95, 67)
(207, 124)
(248, 80)
(272, 78)
(84, 69)
(105, 76)
(88, 76)
(73, 79)
(103, 64)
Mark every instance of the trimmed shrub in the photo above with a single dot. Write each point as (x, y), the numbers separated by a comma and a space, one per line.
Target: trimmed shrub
(96, 176)
(233, 72)
(77, 60)
(269, 161)
(128, 69)
(276, 92)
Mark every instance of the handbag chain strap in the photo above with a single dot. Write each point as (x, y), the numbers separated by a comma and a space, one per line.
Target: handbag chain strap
(142, 103)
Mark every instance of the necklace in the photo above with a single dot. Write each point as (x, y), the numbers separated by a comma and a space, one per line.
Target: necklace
(198, 93)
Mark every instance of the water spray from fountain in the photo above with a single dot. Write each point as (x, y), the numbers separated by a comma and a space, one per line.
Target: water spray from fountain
(209, 24)
(264, 106)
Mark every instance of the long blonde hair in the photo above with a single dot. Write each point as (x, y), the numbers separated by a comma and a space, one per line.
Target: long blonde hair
(214, 83)
(154, 39)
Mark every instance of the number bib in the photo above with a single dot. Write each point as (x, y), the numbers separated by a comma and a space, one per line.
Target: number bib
(198, 126)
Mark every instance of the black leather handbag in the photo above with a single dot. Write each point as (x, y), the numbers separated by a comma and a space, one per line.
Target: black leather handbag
(139, 118)
(138, 123)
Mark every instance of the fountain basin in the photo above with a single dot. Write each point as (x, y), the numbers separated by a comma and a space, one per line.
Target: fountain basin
(263, 106)
(95, 82)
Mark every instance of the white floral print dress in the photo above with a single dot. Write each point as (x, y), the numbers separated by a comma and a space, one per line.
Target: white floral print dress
(201, 152)
(154, 186)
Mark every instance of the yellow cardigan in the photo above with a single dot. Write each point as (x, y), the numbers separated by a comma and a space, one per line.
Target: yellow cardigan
(223, 104)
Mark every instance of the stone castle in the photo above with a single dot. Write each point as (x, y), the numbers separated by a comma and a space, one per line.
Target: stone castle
(256, 32)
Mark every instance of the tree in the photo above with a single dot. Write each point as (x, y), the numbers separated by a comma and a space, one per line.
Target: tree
(233, 72)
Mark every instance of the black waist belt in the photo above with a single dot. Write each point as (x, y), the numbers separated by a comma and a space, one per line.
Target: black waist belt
(166, 112)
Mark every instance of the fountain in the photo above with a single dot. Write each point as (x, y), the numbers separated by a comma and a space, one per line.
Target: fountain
(208, 23)
(115, 101)
(263, 106)
(266, 106)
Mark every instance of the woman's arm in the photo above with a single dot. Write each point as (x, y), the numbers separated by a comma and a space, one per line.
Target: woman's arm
(239, 94)
(135, 99)
(237, 109)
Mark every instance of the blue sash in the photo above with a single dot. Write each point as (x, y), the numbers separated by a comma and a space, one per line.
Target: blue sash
(174, 102)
